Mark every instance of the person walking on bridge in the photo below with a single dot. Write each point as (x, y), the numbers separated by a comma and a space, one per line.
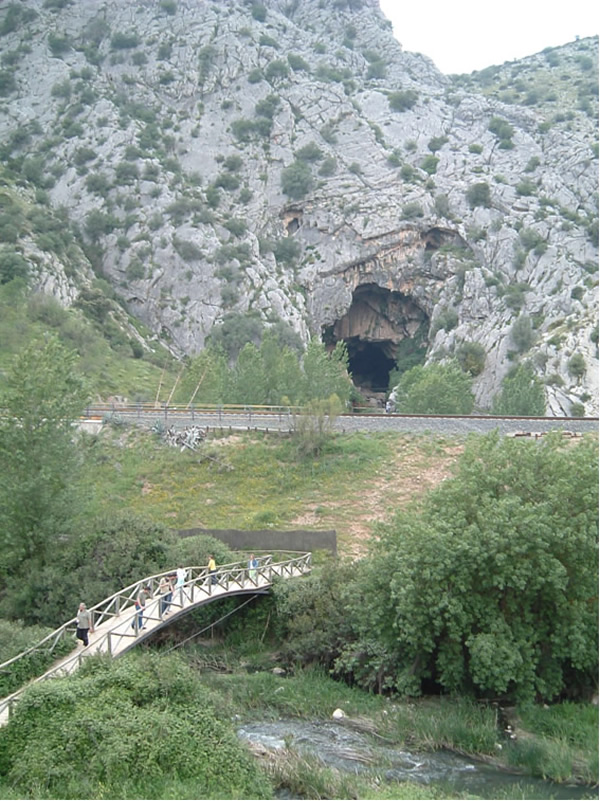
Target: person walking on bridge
(84, 624)
(140, 604)
(252, 566)
(212, 569)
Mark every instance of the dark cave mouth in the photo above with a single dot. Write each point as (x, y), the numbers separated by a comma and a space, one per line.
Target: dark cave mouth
(384, 330)
(370, 363)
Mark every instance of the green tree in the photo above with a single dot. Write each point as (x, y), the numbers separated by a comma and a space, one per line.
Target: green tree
(41, 397)
(522, 394)
(471, 357)
(479, 195)
(282, 370)
(492, 588)
(205, 378)
(326, 374)
(314, 426)
(296, 180)
(434, 389)
(248, 377)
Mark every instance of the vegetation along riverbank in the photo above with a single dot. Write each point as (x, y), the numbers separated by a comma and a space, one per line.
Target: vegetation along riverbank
(463, 601)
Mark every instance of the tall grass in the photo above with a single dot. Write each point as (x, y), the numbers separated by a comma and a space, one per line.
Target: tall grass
(558, 742)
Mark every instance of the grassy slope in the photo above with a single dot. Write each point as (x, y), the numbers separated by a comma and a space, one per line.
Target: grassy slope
(253, 481)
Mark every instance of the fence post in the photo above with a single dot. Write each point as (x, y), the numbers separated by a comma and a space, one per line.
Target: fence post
(109, 643)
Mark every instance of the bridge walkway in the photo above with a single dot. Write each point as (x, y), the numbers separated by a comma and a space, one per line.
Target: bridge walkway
(116, 621)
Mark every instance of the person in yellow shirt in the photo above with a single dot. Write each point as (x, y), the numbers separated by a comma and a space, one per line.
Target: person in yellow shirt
(212, 569)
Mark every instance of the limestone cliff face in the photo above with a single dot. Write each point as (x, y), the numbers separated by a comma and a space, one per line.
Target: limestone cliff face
(290, 160)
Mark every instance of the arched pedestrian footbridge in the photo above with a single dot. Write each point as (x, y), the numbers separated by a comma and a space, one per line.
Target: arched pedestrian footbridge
(116, 620)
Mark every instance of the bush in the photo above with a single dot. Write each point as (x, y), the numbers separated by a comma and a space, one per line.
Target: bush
(437, 143)
(188, 251)
(471, 357)
(429, 164)
(522, 394)
(434, 389)
(410, 211)
(310, 152)
(296, 180)
(446, 319)
(402, 100)
(577, 366)
(522, 333)
(479, 195)
(12, 265)
(526, 187)
(286, 250)
(297, 63)
(501, 561)
(276, 69)
(101, 712)
(124, 41)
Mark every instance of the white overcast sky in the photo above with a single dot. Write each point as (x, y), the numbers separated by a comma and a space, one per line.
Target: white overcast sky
(466, 35)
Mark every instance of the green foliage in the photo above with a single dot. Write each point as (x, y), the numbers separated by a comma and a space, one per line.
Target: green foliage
(442, 205)
(12, 265)
(503, 130)
(522, 394)
(98, 223)
(267, 106)
(526, 188)
(123, 40)
(42, 395)
(259, 12)
(434, 389)
(577, 366)
(16, 638)
(500, 563)
(429, 164)
(437, 143)
(412, 210)
(328, 167)
(296, 180)
(312, 617)
(297, 63)
(314, 426)
(286, 250)
(189, 251)
(234, 332)
(402, 100)
(471, 357)
(276, 69)
(479, 195)
(310, 152)
(522, 333)
(112, 717)
(58, 44)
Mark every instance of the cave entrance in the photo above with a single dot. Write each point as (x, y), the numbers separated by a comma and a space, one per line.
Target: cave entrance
(369, 363)
(382, 328)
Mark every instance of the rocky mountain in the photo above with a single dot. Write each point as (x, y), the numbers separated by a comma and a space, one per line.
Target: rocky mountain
(286, 160)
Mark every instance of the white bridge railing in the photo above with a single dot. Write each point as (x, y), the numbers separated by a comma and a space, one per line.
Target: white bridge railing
(116, 619)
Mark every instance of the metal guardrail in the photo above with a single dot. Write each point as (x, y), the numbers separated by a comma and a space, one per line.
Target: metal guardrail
(142, 409)
(199, 587)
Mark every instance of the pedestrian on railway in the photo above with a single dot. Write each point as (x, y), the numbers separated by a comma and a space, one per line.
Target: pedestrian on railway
(252, 566)
(84, 624)
(212, 569)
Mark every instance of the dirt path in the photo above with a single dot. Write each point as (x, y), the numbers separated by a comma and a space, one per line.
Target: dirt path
(407, 477)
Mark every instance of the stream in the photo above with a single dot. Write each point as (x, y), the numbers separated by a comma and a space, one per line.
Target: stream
(355, 752)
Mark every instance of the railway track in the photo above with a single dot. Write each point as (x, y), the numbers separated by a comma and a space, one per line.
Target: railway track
(283, 419)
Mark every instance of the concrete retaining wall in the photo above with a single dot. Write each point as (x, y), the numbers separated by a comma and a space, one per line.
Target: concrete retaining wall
(269, 540)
